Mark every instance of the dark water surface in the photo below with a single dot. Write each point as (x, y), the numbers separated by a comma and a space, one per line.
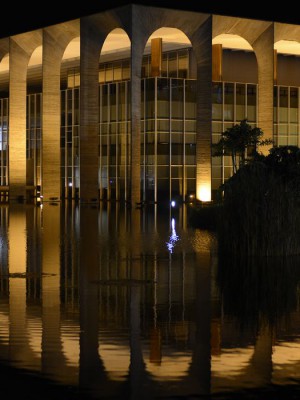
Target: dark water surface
(110, 303)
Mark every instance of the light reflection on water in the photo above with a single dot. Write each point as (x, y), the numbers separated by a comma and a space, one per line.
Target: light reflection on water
(135, 304)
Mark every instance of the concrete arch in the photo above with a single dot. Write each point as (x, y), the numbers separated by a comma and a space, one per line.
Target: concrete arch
(72, 49)
(116, 40)
(170, 35)
(234, 59)
(286, 32)
(139, 22)
(4, 47)
(145, 21)
(260, 35)
(4, 63)
(232, 41)
(94, 30)
(56, 38)
(291, 47)
(286, 57)
(21, 48)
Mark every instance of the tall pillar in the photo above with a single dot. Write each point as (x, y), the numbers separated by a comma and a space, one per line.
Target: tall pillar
(90, 46)
(51, 166)
(264, 50)
(18, 62)
(203, 52)
(92, 373)
(199, 376)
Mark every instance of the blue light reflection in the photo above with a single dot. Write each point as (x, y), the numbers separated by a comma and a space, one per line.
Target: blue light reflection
(173, 238)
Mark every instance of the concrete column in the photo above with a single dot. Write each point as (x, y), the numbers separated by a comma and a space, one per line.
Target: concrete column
(92, 373)
(18, 62)
(264, 50)
(203, 52)
(55, 40)
(89, 112)
(51, 165)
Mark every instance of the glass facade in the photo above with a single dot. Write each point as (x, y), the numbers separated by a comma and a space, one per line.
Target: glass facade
(168, 129)
(286, 116)
(114, 168)
(34, 140)
(70, 142)
(231, 103)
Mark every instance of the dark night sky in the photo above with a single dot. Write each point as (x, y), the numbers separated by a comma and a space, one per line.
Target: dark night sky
(26, 17)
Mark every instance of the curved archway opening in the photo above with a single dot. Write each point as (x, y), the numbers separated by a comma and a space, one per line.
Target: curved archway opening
(287, 58)
(237, 59)
(234, 95)
(168, 128)
(4, 75)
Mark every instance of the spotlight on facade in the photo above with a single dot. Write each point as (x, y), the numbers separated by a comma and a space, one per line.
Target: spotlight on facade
(173, 203)
(204, 193)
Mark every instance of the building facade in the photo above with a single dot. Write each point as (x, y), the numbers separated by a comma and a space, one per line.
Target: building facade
(125, 104)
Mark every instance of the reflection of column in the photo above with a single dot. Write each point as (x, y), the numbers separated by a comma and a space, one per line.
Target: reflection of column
(91, 371)
(199, 373)
(137, 366)
(52, 359)
(17, 283)
(155, 335)
(260, 368)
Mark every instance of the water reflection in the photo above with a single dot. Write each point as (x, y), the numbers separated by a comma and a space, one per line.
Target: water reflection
(173, 238)
(92, 298)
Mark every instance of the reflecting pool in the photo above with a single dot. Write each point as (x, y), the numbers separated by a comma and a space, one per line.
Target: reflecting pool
(105, 302)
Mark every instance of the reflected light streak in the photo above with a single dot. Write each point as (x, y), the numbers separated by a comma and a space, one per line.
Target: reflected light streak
(173, 238)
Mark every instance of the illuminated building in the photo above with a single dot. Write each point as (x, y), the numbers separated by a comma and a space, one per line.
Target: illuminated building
(124, 104)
